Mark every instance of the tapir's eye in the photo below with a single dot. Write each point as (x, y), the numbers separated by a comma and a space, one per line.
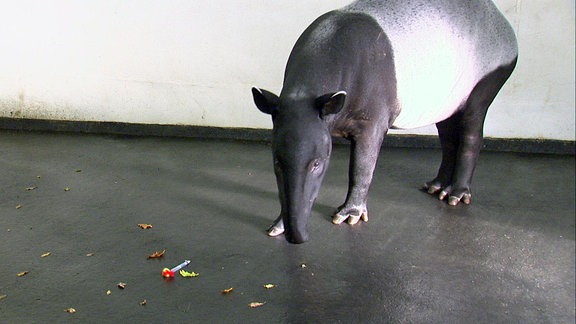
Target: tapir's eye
(315, 165)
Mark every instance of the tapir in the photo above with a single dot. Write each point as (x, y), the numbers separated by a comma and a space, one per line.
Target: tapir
(375, 65)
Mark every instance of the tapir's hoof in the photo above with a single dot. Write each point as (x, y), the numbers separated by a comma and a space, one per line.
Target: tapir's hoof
(454, 196)
(352, 215)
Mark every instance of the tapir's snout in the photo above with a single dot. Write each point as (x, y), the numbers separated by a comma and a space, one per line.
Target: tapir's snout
(296, 227)
(292, 233)
(297, 237)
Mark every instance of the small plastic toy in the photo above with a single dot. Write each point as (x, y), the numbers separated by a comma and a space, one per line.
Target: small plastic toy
(169, 273)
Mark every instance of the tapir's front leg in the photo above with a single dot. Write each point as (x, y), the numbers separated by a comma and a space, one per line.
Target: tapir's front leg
(277, 227)
(363, 157)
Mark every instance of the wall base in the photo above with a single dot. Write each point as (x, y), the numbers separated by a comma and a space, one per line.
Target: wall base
(249, 134)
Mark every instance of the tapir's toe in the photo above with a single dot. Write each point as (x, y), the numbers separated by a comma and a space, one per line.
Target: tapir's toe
(277, 228)
(432, 187)
(338, 219)
(443, 194)
(275, 231)
(453, 201)
(352, 220)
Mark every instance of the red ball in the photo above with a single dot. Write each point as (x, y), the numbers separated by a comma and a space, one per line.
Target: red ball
(167, 273)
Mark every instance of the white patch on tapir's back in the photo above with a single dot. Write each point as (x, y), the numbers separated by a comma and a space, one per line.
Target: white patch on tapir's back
(441, 50)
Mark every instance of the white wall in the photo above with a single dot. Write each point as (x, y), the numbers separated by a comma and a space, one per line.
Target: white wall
(194, 62)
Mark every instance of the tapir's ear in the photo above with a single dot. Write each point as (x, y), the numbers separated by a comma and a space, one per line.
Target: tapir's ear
(266, 101)
(331, 103)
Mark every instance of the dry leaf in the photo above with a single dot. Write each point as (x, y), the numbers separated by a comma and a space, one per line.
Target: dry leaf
(144, 302)
(45, 254)
(90, 254)
(256, 304)
(22, 274)
(108, 292)
(121, 285)
(145, 226)
(269, 286)
(185, 274)
(227, 291)
(3, 296)
(18, 206)
(157, 254)
(30, 188)
(71, 310)
(67, 189)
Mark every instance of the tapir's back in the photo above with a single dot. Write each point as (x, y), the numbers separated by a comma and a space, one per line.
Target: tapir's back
(442, 48)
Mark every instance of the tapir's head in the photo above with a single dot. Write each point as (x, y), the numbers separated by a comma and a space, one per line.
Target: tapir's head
(301, 147)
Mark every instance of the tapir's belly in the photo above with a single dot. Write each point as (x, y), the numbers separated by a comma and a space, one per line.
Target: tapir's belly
(435, 73)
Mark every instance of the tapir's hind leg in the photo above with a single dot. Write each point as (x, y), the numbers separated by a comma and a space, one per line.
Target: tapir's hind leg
(461, 139)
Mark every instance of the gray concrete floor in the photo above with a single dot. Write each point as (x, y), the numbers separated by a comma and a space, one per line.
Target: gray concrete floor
(507, 258)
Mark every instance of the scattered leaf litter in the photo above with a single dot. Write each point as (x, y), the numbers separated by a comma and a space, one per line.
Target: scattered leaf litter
(22, 274)
(144, 302)
(70, 310)
(145, 226)
(227, 291)
(46, 254)
(121, 285)
(18, 206)
(269, 286)
(30, 188)
(256, 304)
(157, 254)
(186, 274)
